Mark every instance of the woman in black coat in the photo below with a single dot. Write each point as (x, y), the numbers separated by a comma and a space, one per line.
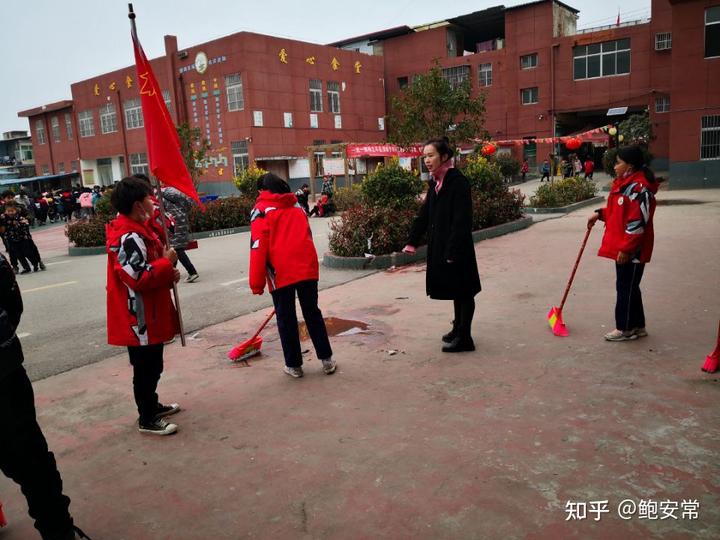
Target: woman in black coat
(446, 216)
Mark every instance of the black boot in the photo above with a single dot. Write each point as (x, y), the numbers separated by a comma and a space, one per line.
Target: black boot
(451, 335)
(459, 344)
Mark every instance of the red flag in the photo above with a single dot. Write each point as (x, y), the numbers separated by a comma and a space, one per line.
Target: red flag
(617, 23)
(163, 144)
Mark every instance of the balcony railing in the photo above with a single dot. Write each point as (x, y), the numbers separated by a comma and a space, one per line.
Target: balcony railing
(611, 26)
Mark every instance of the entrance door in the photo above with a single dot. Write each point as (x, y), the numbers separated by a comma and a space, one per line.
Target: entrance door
(105, 171)
(530, 153)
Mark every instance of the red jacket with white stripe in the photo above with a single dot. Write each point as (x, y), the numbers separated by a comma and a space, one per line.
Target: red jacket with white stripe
(282, 251)
(628, 218)
(140, 310)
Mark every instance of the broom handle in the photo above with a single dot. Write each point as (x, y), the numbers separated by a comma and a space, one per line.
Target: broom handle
(577, 263)
(264, 324)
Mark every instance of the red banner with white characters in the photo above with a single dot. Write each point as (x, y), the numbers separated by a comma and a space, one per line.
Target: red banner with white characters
(593, 135)
(382, 150)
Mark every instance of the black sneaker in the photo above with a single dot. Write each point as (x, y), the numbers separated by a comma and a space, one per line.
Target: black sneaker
(459, 345)
(42, 266)
(167, 410)
(158, 427)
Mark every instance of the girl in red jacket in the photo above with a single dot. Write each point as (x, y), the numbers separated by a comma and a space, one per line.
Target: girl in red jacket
(628, 238)
(282, 253)
(140, 312)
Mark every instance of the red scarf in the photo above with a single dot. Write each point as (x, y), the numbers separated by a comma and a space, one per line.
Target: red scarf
(439, 174)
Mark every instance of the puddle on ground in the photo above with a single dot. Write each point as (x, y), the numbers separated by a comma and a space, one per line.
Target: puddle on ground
(336, 327)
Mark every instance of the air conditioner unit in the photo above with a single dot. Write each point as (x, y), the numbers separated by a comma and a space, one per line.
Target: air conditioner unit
(182, 55)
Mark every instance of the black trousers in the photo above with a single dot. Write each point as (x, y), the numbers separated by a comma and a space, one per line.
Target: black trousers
(25, 250)
(464, 313)
(544, 176)
(147, 363)
(185, 261)
(25, 458)
(284, 300)
(629, 311)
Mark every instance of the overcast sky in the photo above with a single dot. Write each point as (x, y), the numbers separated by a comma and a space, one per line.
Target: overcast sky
(49, 44)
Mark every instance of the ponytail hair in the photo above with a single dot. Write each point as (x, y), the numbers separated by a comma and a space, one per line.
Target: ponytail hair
(442, 146)
(272, 183)
(634, 155)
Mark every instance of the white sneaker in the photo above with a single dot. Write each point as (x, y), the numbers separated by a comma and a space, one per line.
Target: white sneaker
(192, 278)
(329, 366)
(295, 372)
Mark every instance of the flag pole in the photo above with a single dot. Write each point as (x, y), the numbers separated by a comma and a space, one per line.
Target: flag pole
(131, 16)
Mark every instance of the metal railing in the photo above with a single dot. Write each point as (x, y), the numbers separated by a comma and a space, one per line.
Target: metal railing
(611, 26)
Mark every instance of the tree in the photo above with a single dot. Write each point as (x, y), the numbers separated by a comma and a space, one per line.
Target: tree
(636, 129)
(431, 107)
(194, 149)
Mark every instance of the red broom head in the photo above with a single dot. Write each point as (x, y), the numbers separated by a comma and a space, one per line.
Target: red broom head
(556, 323)
(246, 349)
(711, 363)
(3, 522)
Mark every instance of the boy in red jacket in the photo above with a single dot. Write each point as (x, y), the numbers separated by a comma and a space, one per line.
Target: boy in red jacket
(283, 253)
(140, 312)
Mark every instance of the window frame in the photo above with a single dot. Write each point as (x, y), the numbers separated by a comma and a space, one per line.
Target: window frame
(705, 29)
(488, 74)
(138, 164)
(457, 75)
(662, 104)
(530, 89)
(715, 129)
(239, 151)
(40, 133)
(315, 93)
(532, 56)
(55, 128)
(69, 126)
(86, 123)
(133, 114)
(333, 96)
(602, 51)
(108, 119)
(234, 85)
(664, 39)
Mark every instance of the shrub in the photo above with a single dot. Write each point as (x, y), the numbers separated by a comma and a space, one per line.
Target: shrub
(87, 233)
(490, 210)
(347, 197)
(387, 228)
(104, 209)
(391, 186)
(246, 181)
(563, 192)
(508, 165)
(484, 176)
(222, 214)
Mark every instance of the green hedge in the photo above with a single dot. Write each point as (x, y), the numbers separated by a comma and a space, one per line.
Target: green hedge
(563, 192)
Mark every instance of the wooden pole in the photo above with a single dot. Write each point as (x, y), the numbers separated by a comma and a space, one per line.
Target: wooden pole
(311, 166)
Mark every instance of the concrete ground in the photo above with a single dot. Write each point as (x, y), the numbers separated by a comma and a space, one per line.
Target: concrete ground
(407, 442)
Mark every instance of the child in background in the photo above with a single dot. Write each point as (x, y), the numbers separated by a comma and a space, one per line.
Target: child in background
(282, 253)
(20, 242)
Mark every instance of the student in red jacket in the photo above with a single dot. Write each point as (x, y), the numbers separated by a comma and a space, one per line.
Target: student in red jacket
(628, 238)
(282, 253)
(140, 312)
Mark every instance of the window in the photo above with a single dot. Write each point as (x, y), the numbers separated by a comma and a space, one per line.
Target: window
(316, 95)
(601, 59)
(55, 128)
(710, 137)
(712, 32)
(663, 41)
(26, 153)
(313, 120)
(402, 82)
(40, 131)
(61, 168)
(529, 96)
(166, 98)
(45, 170)
(68, 126)
(86, 126)
(138, 163)
(485, 74)
(258, 118)
(234, 88)
(133, 114)
(333, 90)
(74, 166)
(108, 118)
(662, 104)
(456, 75)
(338, 121)
(529, 61)
(288, 119)
(318, 157)
(239, 156)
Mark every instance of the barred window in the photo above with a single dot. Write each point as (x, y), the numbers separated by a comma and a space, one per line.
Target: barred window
(333, 90)
(456, 75)
(61, 168)
(710, 137)
(529, 61)
(601, 59)
(55, 128)
(663, 41)
(86, 124)
(662, 104)
(139, 163)
(234, 89)
(133, 114)
(240, 156)
(108, 118)
(316, 95)
(68, 126)
(529, 96)
(40, 131)
(485, 75)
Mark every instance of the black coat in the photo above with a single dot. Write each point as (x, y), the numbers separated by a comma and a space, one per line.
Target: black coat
(447, 219)
(11, 308)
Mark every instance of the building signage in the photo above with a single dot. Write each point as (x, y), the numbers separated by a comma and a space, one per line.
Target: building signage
(202, 63)
(382, 150)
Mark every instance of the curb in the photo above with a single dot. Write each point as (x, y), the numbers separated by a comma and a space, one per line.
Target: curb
(565, 209)
(74, 251)
(382, 262)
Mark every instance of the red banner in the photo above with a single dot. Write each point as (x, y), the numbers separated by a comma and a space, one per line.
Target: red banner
(597, 135)
(163, 144)
(382, 150)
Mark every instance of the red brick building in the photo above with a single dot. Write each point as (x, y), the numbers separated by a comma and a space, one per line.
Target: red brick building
(266, 99)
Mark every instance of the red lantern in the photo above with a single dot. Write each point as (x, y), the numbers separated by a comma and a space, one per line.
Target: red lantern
(574, 143)
(488, 149)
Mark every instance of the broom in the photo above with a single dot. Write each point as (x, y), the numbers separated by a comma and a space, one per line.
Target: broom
(712, 359)
(250, 347)
(3, 521)
(557, 325)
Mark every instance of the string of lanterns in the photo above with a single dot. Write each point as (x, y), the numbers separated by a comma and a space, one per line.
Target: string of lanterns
(572, 142)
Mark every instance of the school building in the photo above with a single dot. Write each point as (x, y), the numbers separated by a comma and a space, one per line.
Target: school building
(266, 99)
